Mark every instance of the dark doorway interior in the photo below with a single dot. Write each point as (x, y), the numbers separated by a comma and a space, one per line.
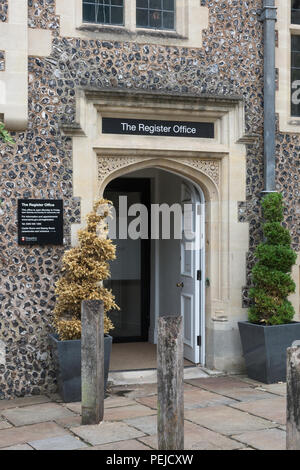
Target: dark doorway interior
(130, 272)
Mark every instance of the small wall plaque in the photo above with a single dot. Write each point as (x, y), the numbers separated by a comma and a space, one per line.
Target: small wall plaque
(40, 222)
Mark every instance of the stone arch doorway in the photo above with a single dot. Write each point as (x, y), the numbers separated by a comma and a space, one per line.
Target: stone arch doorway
(217, 165)
(152, 277)
(202, 172)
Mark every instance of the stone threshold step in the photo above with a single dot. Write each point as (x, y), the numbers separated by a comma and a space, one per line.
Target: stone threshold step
(132, 377)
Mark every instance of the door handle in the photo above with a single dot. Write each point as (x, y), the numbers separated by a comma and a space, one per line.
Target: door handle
(180, 284)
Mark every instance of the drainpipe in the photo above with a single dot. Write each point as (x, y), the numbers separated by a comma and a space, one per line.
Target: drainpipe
(268, 18)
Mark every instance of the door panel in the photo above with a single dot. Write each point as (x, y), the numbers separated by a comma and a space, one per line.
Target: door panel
(187, 310)
(187, 262)
(190, 264)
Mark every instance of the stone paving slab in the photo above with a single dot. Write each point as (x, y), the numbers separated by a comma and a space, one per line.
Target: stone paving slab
(140, 390)
(199, 438)
(134, 391)
(23, 434)
(18, 447)
(36, 414)
(277, 388)
(273, 409)
(115, 401)
(268, 439)
(121, 445)
(248, 394)
(151, 401)
(110, 402)
(247, 379)
(118, 414)
(202, 398)
(150, 441)
(227, 420)
(4, 424)
(218, 384)
(75, 407)
(188, 386)
(25, 401)
(146, 424)
(69, 422)
(65, 442)
(195, 398)
(105, 433)
(227, 412)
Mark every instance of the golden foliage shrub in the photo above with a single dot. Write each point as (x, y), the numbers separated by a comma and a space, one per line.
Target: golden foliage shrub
(84, 268)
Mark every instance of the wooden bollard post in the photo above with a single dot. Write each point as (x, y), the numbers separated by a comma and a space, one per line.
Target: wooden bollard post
(170, 408)
(92, 361)
(293, 399)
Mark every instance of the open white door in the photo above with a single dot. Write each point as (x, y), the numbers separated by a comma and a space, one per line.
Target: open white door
(190, 272)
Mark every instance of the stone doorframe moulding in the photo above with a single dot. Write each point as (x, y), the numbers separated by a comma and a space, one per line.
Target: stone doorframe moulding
(217, 165)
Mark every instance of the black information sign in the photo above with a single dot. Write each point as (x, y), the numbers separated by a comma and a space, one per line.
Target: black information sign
(40, 222)
(158, 128)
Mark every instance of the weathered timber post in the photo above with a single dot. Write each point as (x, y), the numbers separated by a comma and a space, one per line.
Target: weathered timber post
(92, 361)
(170, 411)
(293, 399)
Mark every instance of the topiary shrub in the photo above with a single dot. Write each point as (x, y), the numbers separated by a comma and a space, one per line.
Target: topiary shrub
(271, 276)
(5, 135)
(84, 269)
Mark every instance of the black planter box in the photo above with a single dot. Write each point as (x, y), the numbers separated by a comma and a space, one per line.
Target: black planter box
(264, 349)
(67, 359)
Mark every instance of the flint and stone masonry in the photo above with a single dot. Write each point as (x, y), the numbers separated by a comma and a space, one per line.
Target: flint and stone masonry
(227, 63)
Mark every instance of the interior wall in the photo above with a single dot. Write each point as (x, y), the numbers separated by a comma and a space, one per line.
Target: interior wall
(153, 174)
(169, 259)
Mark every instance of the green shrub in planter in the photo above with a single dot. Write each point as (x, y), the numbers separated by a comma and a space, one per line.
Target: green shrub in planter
(271, 276)
(5, 135)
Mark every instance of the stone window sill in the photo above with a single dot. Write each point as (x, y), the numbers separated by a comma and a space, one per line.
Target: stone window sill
(95, 28)
(294, 121)
(159, 33)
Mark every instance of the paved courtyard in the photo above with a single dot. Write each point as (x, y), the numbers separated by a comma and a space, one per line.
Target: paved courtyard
(221, 413)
